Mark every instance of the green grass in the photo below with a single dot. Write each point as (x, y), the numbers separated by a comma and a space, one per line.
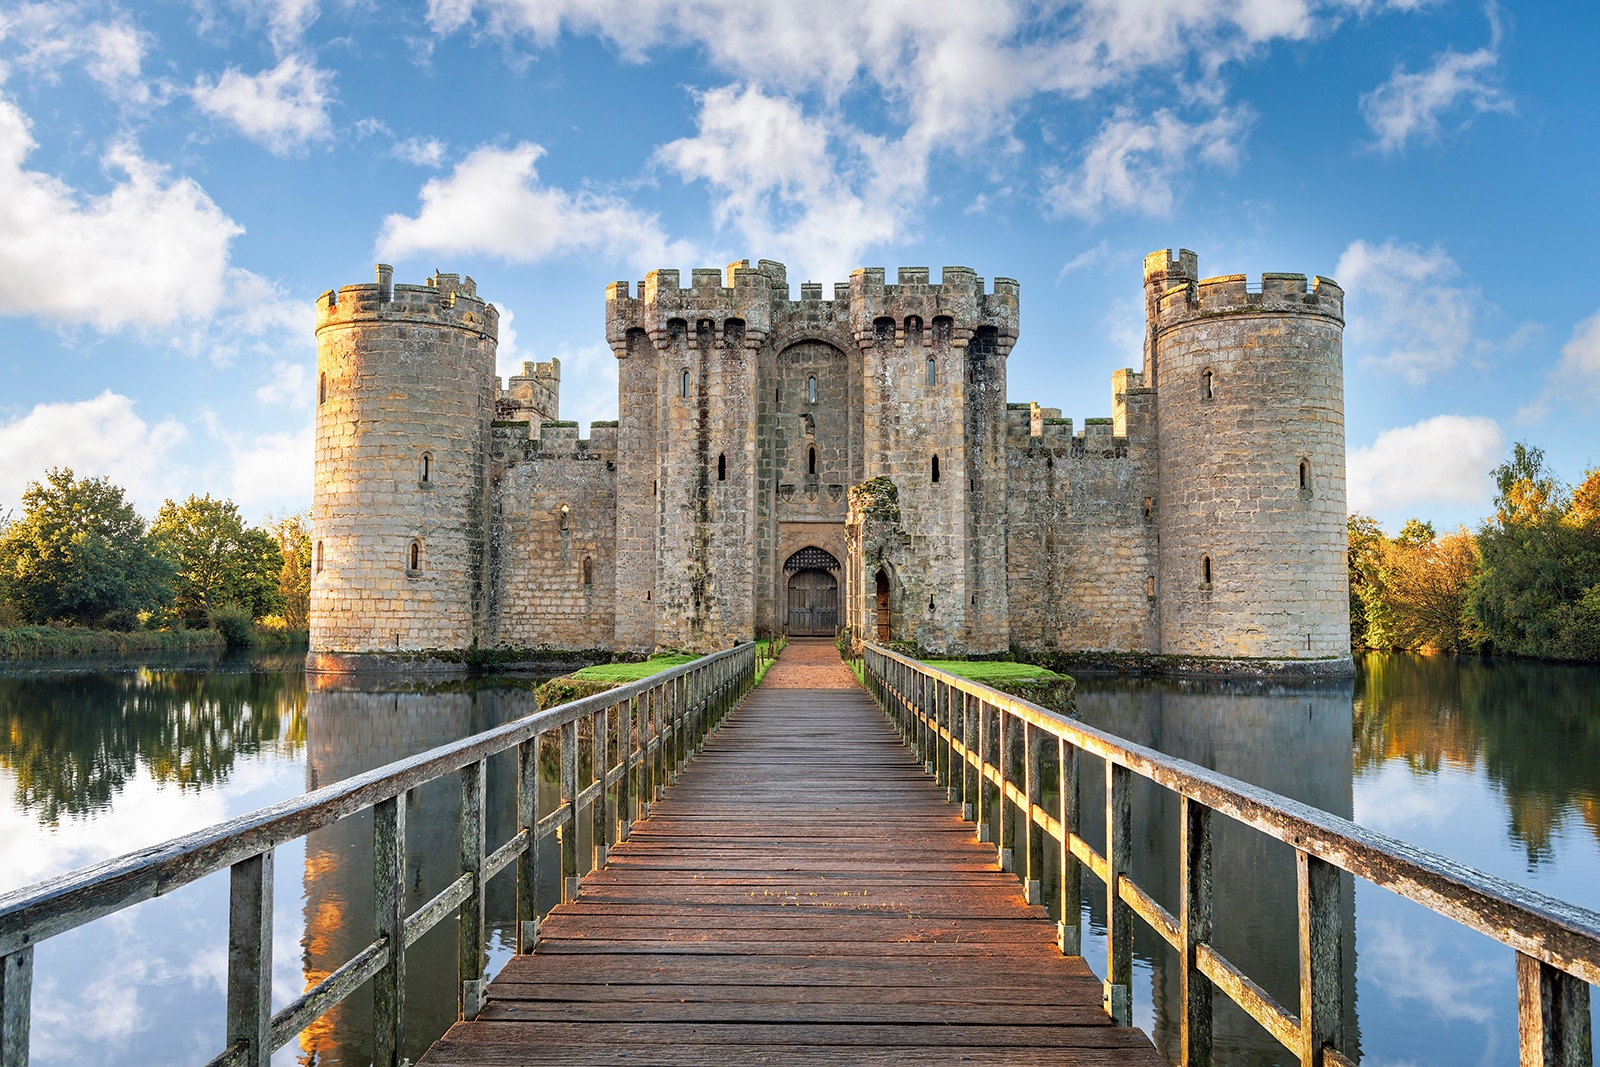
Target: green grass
(46, 642)
(620, 673)
(988, 671)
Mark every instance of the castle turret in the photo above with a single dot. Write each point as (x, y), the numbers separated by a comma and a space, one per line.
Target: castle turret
(1250, 424)
(406, 393)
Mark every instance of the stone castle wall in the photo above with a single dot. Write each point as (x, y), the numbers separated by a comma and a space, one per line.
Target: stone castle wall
(745, 417)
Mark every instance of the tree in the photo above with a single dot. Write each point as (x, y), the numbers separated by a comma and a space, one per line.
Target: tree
(216, 559)
(79, 552)
(293, 533)
(1427, 584)
(1365, 559)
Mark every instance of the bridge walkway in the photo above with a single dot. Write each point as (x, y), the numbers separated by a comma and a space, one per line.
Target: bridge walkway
(803, 894)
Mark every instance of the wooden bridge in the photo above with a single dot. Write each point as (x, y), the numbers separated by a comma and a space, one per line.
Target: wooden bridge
(804, 894)
(824, 882)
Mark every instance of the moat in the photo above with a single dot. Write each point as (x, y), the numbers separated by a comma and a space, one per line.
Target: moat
(1494, 764)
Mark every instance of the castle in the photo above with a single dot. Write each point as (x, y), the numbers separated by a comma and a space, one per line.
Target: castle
(802, 466)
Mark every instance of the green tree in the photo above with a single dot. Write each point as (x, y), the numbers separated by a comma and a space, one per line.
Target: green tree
(216, 559)
(79, 552)
(293, 533)
(1365, 557)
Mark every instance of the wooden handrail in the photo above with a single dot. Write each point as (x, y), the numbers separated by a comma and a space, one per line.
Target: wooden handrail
(673, 710)
(953, 722)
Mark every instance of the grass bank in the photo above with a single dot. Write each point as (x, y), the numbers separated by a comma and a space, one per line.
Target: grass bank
(1039, 685)
(77, 642)
(603, 676)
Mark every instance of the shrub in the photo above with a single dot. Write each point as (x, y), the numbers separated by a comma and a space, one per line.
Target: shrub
(232, 621)
(120, 620)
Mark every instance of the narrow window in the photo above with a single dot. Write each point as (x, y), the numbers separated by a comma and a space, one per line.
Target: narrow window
(322, 388)
(416, 555)
(1205, 569)
(319, 557)
(936, 469)
(566, 515)
(1147, 504)
(1205, 385)
(588, 571)
(1150, 586)
(811, 390)
(427, 466)
(1305, 475)
(811, 461)
(684, 385)
(932, 372)
(722, 467)
(654, 487)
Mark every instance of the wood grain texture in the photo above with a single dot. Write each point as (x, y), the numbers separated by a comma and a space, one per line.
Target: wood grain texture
(803, 894)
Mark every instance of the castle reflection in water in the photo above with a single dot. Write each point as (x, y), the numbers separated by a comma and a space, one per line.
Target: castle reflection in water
(1291, 739)
(349, 731)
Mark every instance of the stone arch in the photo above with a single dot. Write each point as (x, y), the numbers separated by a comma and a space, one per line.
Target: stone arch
(811, 589)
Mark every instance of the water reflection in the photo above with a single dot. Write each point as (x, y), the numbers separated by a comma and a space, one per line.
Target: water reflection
(73, 740)
(1293, 740)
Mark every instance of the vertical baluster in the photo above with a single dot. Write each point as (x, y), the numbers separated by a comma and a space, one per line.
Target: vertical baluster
(469, 967)
(1321, 991)
(389, 920)
(941, 748)
(1552, 1016)
(528, 862)
(969, 780)
(1194, 928)
(599, 833)
(1004, 809)
(569, 800)
(981, 796)
(1119, 917)
(1071, 871)
(250, 958)
(16, 1006)
(650, 738)
(628, 715)
(1033, 834)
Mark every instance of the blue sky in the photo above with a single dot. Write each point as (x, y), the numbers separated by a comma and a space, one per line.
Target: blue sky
(178, 181)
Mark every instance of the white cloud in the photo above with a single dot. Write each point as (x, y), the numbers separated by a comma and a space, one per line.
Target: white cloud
(290, 383)
(98, 437)
(1580, 359)
(283, 109)
(493, 203)
(270, 471)
(779, 186)
(1133, 164)
(1403, 311)
(422, 151)
(1442, 460)
(116, 54)
(49, 36)
(1409, 105)
(150, 251)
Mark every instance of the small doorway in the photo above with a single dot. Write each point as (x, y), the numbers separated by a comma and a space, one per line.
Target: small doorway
(813, 603)
(883, 607)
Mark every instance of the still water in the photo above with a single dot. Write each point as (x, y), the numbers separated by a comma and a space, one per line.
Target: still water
(1497, 765)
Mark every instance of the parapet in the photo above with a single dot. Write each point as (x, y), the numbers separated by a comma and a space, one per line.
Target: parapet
(443, 300)
(664, 310)
(1181, 295)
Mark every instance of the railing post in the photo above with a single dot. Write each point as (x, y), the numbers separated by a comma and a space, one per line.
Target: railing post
(469, 956)
(249, 959)
(1005, 744)
(1194, 928)
(16, 1006)
(628, 714)
(971, 774)
(1552, 1016)
(1119, 916)
(1033, 834)
(528, 862)
(946, 736)
(389, 915)
(569, 800)
(985, 793)
(1321, 991)
(1071, 938)
(599, 760)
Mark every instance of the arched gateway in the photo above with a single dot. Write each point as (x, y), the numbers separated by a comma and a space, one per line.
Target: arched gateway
(813, 593)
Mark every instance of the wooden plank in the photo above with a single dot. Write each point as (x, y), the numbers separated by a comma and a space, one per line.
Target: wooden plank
(802, 892)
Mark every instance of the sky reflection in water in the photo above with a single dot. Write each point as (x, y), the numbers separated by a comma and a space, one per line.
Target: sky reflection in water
(1497, 765)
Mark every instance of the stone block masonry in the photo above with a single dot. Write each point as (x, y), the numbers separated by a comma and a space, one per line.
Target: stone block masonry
(1202, 522)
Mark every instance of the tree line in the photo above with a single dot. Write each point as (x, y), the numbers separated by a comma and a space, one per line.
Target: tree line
(1525, 583)
(79, 554)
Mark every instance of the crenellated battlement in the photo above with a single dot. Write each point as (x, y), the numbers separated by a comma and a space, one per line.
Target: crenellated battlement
(758, 297)
(1178, 294)
(443, 300)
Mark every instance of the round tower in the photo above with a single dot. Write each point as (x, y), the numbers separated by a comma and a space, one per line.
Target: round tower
(405, 399)
(1250, 431)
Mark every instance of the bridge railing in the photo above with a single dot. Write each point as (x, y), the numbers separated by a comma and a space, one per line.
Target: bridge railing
(988, 749)
(640, 737)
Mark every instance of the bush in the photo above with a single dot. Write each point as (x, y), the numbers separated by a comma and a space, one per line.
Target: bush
(122, 621)
(233, 622)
